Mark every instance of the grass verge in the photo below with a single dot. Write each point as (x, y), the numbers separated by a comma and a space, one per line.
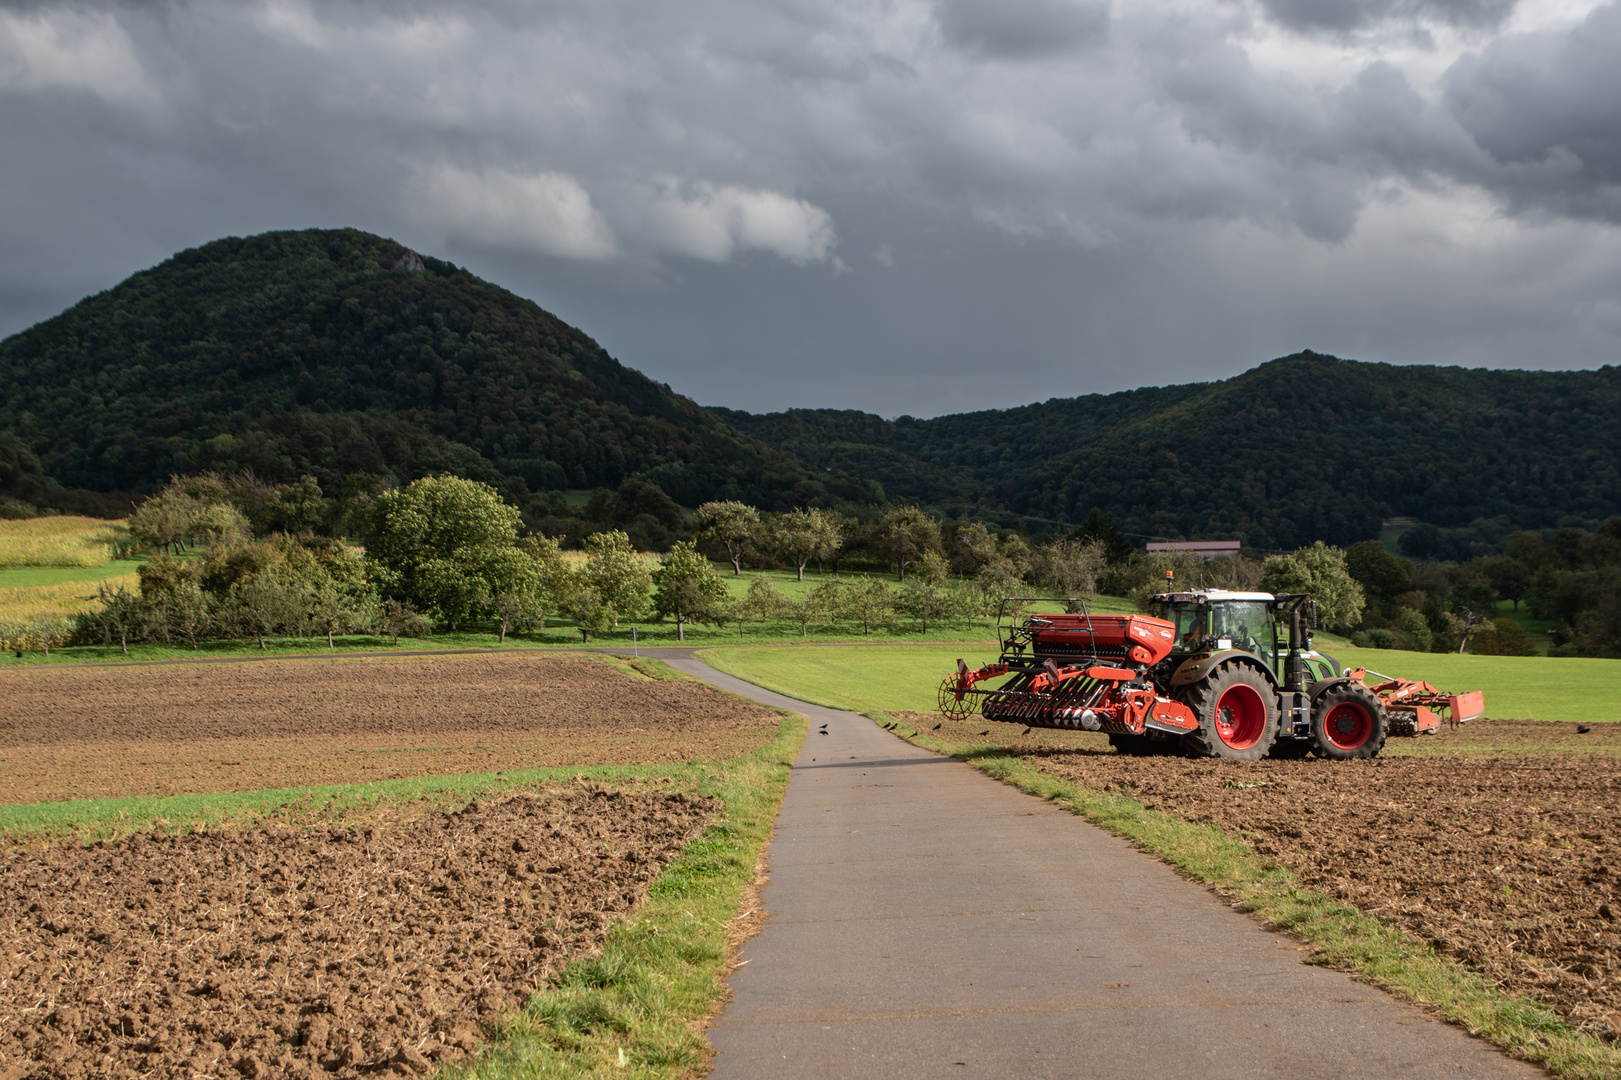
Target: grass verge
(1341, 936)
(637, 1009)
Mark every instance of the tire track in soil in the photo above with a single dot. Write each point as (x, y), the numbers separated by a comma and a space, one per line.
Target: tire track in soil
(325, 953)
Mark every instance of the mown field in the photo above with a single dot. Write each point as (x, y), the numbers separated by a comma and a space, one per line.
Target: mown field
(519, 865)
(1476, 870)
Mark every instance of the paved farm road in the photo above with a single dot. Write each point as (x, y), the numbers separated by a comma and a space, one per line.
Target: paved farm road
(927, 921)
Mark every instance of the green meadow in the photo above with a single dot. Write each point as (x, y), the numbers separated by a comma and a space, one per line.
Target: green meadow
(898, 678)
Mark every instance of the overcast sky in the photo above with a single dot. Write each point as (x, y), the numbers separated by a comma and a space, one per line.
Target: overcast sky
(914, 206)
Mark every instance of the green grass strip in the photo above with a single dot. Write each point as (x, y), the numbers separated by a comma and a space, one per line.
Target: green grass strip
(1369, 948)
(637, 1009)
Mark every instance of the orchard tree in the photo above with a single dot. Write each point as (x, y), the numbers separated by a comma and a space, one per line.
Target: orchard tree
(1319, 571)
(735, 525)
(298, 509)
(906, 534)
(618, 574)
(686, 588)
(821, 605)
(802, 535)
(868, 603)
(764, 601)
(1069, 567)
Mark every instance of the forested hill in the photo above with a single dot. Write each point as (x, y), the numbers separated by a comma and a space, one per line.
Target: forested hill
(1301, 448)
(338, 352)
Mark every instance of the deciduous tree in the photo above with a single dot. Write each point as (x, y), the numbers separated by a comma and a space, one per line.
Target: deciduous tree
(906, 534)
(618, 574)
(1318, 570)
(687, 589)
(446, 546)
(802, 535)
(734, 525)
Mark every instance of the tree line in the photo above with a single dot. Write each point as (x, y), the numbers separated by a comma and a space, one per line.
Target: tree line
(237, 558)
(1569, 577)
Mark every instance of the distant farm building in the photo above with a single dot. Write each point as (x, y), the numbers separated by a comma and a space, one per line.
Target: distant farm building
(1203, 549)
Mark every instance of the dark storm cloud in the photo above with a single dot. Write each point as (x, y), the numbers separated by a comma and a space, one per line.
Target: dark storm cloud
(1343, 16)
(797, 202)
(1547, 108)
(1020, 28)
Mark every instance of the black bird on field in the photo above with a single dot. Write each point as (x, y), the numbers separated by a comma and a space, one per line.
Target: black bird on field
(822, 732)
(1582, 729)
(937, 726)
(1026, 731)
(987, 731)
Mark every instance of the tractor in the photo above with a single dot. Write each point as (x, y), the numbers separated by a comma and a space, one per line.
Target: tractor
(1214, 673)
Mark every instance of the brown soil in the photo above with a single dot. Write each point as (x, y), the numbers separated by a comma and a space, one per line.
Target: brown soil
(97, 733)
(332, 953)
(1509, 863)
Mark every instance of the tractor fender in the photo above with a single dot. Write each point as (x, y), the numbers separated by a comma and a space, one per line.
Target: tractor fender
(1195, 668)
(1321, 685)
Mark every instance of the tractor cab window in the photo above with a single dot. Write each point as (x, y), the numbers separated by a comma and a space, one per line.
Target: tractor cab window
(1191, 621)
(1247, 623)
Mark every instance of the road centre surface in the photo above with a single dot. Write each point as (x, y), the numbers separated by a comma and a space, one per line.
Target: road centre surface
(927, 920)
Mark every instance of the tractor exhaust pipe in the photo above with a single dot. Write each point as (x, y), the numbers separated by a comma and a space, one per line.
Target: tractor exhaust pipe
(1294, 668)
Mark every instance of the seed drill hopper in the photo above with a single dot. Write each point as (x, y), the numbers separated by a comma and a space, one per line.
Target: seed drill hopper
(1217, 673)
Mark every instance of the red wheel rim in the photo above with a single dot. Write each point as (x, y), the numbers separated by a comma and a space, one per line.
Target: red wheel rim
(1348, 725)
(1240, 717)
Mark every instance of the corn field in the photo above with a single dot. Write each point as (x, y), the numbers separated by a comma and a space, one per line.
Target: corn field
(31, 613)
(61, 541)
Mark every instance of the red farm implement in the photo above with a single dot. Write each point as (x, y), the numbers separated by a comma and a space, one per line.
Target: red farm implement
(1216, 673)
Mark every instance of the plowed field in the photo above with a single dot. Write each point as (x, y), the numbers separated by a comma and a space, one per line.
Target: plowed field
(335, 951)
(327, 953)
(1498, 842)
(96, 733)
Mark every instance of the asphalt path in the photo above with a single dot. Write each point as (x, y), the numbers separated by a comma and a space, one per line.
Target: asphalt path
(928, 921)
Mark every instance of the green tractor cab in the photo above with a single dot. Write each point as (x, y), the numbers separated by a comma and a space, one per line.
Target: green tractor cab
(1222, 635)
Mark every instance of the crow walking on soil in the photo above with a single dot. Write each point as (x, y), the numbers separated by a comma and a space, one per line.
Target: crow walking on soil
(987, 731)
(937, 726)
(1582, 729)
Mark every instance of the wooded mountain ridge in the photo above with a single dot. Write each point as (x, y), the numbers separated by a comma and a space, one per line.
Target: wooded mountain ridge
(332, 353)
(335, 352)
(1306, 447)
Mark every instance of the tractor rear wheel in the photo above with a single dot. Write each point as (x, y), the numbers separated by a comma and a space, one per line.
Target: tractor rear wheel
(1238, 714)
(1348, 722)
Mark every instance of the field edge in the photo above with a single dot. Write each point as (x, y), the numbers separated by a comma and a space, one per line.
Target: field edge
(1341, 936)
(639, 1009)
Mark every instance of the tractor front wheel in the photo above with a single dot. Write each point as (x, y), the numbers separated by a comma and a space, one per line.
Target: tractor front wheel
(1347, 722)
(1238, 714)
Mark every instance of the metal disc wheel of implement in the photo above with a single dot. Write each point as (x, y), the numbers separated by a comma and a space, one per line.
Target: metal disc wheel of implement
(1237, 711)
(1347, 722)
(957, 708)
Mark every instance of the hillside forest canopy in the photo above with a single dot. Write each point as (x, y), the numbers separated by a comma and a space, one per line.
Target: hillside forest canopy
(348, 358)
